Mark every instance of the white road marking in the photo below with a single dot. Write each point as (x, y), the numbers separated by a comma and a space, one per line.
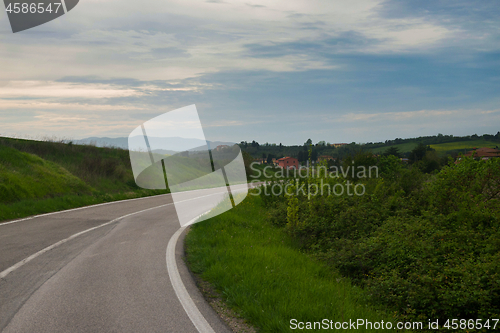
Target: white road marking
(191, 309)
(79, 208)
(6, 272)
(48, 248)
(97, 205)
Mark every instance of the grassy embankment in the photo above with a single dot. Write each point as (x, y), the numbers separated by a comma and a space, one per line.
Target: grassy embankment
(424, 246)
(39, 177)
(265, 277)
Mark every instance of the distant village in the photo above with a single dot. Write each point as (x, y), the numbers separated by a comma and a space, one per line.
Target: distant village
(288, 162)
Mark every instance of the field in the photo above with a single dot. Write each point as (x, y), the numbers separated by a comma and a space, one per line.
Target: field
(465, 145)
(403, 148)
(441, 147)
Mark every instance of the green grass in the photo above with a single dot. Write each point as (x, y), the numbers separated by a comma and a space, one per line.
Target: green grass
(465, 145)
(27, 176)
(265, 278)
(39, 177)
(403, 148)
(104, 169)
(441, 147)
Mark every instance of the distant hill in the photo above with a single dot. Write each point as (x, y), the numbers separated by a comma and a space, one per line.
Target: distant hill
(441, 143)
(457, 146)
(168, 146)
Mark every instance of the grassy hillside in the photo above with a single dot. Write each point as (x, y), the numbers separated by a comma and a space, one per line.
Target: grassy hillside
(104, 169)
(27, 176)
(441, 147)
(465, 145)
(40, 177)
(403, 148)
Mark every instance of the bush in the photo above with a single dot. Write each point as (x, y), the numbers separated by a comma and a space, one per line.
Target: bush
(426, 245)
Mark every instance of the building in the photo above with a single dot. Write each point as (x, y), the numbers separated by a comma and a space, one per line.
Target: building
(483, 153)
(325, 158)
(288, 163)
(336, 145)
(220, 147)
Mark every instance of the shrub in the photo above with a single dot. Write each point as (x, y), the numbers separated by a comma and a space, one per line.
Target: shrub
(426, 245)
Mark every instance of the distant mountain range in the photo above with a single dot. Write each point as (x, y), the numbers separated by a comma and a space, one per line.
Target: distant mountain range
(168, 145)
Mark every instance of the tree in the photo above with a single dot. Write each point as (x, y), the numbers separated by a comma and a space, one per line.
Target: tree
(430, 162)
(314, 155)
(392, 151)
(303, 156)
(308, 142)
(419, 152)
(247, 160)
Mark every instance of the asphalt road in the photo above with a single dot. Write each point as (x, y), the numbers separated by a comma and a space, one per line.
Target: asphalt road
(113, 278)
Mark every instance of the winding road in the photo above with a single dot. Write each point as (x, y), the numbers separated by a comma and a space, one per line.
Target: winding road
(102, 268)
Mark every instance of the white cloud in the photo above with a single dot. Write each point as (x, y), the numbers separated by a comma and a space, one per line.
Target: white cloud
(26, 89)
(118, 38)
(174, 40)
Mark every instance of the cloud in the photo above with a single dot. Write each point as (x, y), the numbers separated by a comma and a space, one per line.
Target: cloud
(30, 89)
(288, 66)
(255, 6)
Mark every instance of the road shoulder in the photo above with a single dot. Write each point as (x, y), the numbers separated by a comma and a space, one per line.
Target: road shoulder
(207, 299)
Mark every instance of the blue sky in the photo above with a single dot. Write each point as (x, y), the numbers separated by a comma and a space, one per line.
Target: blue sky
(271, 71)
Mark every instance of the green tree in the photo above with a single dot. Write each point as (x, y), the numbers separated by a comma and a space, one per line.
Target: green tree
(392, 151)
(247, 160)
(418, 153)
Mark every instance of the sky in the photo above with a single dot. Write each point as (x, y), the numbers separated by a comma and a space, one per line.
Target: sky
(277, 71)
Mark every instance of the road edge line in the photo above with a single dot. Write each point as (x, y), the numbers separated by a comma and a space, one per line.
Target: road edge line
(21, 263)
(80, 208)
(183, 296)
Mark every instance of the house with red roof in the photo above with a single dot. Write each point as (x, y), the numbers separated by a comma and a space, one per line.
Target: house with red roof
(483, 153)
(288, 163)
